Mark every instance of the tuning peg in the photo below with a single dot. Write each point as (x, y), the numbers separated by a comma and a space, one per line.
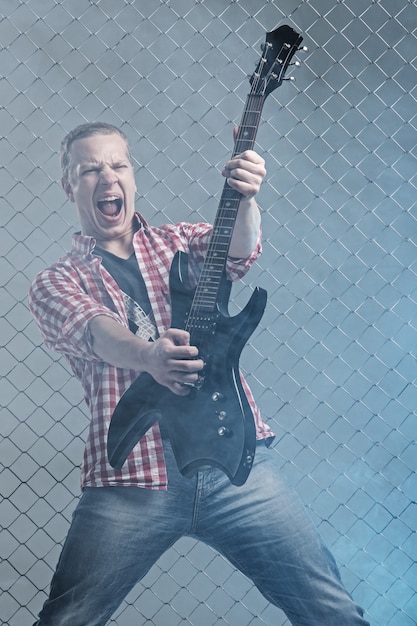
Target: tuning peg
(303, 49)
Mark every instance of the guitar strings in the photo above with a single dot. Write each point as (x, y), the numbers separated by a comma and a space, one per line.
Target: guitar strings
(206, 293)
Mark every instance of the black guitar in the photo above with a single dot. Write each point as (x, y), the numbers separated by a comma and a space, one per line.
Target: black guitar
(213, 425)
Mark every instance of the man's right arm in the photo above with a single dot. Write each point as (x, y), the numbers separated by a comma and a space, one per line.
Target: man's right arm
(74, 323)
(170, 359)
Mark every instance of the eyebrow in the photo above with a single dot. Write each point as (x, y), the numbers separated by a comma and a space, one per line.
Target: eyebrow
(96, 163)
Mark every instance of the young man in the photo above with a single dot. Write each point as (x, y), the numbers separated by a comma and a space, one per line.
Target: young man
(100, 305)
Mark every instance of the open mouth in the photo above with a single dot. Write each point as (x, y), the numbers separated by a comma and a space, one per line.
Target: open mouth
(110, 207)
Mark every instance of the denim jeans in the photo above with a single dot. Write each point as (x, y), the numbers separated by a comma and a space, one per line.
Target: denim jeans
(117, 534)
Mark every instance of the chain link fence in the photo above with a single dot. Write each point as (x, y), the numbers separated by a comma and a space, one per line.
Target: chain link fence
(333, 363)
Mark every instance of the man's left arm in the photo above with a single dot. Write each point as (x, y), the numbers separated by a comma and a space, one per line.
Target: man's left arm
(245, 174)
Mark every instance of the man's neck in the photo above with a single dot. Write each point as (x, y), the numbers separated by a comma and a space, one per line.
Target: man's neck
(119, 248)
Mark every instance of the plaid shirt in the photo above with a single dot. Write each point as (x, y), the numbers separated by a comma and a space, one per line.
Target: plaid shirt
(66, 296)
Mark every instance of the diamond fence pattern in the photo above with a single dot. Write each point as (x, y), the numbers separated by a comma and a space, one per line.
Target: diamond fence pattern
(333, 363)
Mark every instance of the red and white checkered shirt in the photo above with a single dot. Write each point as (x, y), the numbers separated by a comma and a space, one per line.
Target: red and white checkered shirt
(66, 296)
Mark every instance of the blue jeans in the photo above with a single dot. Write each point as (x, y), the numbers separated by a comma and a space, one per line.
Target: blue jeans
(118, 533)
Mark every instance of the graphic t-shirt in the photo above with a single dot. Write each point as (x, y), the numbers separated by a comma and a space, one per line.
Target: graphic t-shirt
(127, 274)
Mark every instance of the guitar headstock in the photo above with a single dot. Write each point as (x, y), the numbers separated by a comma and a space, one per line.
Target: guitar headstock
(279, 48)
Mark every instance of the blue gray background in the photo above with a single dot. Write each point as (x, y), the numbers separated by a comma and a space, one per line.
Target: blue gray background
(333, 363)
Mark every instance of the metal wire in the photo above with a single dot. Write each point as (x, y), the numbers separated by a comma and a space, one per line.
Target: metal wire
(333, 363)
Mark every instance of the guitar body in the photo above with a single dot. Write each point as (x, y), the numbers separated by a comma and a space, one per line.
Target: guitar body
(213, 425)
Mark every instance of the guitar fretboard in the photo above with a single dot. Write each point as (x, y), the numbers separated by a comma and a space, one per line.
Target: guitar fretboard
(206, 293)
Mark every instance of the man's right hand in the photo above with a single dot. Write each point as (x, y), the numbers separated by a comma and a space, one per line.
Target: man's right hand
(170, 360)
(173, 362)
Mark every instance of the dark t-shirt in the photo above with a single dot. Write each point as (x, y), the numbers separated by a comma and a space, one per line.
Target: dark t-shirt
(128, 276)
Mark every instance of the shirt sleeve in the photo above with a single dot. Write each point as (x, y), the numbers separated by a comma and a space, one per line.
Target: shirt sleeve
(63, 306)
(237, 268)
(196, 239)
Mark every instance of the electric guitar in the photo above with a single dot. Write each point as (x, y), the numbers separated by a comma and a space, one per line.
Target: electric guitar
(213, 425)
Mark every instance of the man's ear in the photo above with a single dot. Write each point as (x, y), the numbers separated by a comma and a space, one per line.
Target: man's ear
(66, 186)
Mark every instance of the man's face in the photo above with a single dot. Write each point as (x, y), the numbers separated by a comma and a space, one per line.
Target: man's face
(101, 182)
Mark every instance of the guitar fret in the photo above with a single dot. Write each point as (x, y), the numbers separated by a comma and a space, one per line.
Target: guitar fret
(212, 271)
(221, 235)
(206, 294)
(208, 304)
(229, 203)
(222, 230)
(211, 282)
(225, 222)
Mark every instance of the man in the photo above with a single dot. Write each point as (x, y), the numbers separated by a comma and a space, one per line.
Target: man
(101, 305)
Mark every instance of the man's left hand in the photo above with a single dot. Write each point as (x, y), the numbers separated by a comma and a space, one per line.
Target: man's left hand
(245, 173)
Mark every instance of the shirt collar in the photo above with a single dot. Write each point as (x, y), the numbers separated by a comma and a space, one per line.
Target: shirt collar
(84, 244)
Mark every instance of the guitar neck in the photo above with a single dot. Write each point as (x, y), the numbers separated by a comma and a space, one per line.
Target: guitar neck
(206, 293)
(230, 199)
(249, 123)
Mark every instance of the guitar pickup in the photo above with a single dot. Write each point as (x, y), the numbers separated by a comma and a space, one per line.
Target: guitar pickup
(205, 323)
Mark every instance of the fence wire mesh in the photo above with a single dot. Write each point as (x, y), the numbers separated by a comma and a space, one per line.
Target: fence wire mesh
(333, 363)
